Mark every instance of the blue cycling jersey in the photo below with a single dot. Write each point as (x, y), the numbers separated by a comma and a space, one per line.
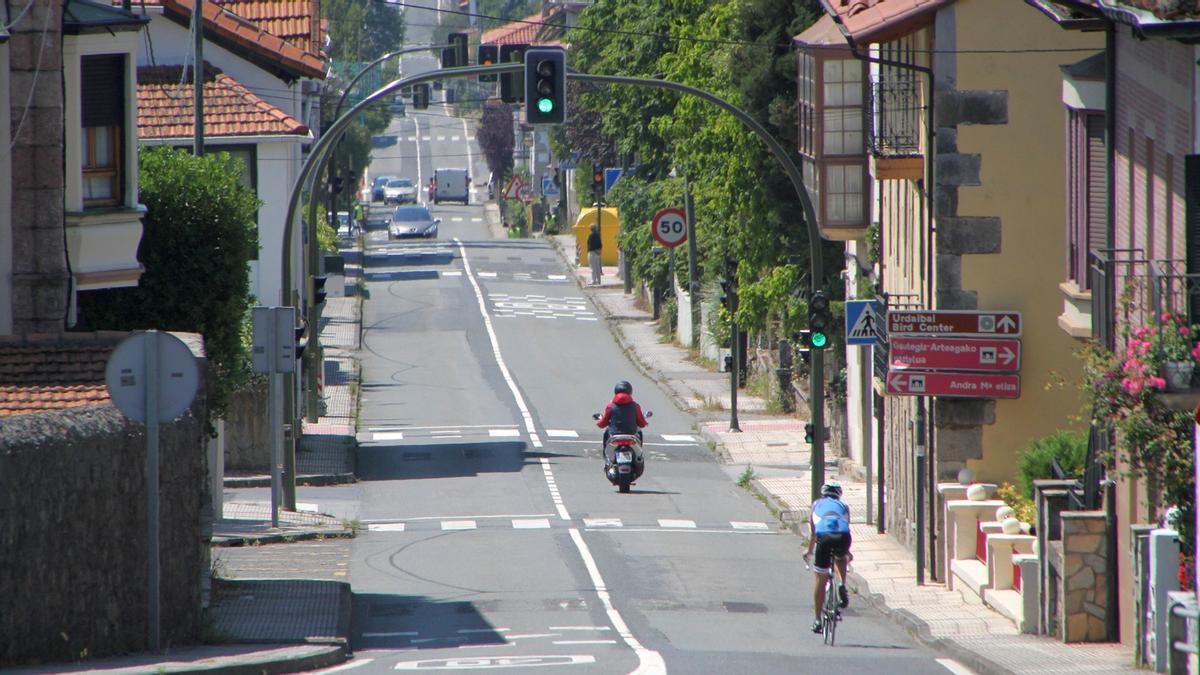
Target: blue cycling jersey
(830, 516)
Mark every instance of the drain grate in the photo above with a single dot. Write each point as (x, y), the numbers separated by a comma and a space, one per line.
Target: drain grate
(745, 607)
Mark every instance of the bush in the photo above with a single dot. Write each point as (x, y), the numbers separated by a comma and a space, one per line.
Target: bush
(1068, 447)
(1025, 510)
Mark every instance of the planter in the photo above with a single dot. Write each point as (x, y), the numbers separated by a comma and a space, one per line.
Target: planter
(1178, 374)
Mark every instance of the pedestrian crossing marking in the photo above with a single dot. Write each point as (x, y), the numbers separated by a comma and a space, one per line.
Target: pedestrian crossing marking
(740, 525)
(385, 527)
(556, 277)
(458, 525)
(679, 438)
(487, 275)
(441, 138)
(306, 507)
(387, 436)
(530, 524)
(562, 433)
(602, 522)
(503, 433)
(456, 138)
(677, 524)
(452, 273)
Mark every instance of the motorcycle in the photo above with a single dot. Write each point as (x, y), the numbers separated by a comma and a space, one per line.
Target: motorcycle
(624, 461)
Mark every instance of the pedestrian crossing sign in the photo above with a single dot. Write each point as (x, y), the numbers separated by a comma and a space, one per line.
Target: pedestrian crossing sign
(862, 321)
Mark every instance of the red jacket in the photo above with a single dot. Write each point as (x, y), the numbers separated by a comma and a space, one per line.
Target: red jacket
(621, 399)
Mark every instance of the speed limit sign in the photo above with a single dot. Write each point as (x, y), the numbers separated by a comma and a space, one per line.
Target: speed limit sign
(670, 227)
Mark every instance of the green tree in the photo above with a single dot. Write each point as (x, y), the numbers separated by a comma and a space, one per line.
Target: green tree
(199, 236)
(495, 138)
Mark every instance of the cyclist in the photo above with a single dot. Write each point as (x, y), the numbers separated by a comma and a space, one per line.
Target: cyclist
(829, 530)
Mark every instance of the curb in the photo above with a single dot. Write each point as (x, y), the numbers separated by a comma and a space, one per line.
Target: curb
(316, 480)
(331, 655)
(280, 537)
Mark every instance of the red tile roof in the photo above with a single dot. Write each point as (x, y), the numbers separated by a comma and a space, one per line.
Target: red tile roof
(297, 21)
(534, 29)
(239, 32)
(230, 109)
(869, 21)
(41, 373)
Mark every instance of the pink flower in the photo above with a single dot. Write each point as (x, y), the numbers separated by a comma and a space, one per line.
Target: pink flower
(1185, 331)
(1158, 382)
(1133, 387)
(1196, 351)
(1167, 316)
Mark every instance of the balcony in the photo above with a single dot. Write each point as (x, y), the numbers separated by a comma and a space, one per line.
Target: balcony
(894, 127)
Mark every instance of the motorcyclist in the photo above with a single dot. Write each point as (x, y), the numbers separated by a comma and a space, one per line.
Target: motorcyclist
(622, 415)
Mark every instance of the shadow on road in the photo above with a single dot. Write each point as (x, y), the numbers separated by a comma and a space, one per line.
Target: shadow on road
(404, 461)
(415, 622)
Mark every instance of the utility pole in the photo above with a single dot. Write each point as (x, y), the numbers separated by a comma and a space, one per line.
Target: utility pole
(693, 264)
(198, 76)
(735, 338)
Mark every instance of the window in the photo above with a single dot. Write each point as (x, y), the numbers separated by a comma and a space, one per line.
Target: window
(1086, 192)
(103, 116)
(844, 194)
(807, 104)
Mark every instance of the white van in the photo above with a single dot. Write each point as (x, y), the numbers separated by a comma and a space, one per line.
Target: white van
(452, 185)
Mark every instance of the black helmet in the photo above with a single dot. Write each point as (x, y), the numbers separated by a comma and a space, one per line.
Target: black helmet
(623, 387)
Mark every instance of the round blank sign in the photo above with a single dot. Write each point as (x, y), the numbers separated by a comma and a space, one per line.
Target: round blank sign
(177, 378)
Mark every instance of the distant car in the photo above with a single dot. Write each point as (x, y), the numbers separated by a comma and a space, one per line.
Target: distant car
(399, 190)
(396, 106)
(377, 186)
(413, 221)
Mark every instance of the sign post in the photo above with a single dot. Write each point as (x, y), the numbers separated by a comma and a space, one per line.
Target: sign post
(274, 354)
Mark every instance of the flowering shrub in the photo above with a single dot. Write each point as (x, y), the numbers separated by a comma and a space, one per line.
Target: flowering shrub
(1147, 347)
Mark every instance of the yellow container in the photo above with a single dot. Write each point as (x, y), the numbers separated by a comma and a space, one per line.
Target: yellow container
(609, 224)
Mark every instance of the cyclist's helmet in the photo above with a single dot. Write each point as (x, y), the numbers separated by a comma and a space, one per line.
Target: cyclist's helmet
(832, 489)
(623, 387)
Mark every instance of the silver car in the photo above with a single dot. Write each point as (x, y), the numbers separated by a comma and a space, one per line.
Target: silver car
(399, 190)
(413, 221)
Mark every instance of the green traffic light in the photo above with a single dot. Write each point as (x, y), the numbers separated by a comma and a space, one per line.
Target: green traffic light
(545, 105)
(818, 339)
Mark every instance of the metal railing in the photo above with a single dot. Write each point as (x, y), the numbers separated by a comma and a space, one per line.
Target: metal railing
(1183, 630)
(894, 120)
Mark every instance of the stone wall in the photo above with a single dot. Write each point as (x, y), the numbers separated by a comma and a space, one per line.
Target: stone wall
(247, 441)
(73, 534)
(1083, 588)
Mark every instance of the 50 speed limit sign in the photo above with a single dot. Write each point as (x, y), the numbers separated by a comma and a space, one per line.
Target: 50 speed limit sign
(670, 227)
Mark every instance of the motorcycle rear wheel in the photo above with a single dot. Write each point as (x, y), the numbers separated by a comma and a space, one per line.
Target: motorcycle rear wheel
(624, 481)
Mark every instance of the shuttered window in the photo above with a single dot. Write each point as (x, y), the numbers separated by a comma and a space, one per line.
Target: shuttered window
(102, 101)
(1086, 192)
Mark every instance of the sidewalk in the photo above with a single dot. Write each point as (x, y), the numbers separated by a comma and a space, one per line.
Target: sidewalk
(884, 572)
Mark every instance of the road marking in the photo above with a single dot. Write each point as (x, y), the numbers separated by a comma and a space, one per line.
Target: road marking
(480, 662)
(446, 431)
(498, 515)
(534, 440)
(556, 277)
(458, 525)
(562, 433)
(387, 436)
(456, 219)
(453, 273)
(441, 138)
(954, 667)
(531, 524)
(306, 507)
(412, 138)
(401, 633)
(484, 630)
(456, 138)
(527, 636)
(385, 527)
(586, 318)
(679, 438)
(649, 661)
(503, 433)
(443, 426)
(346, 666)
(584, 642)
(741, 525)
(486, 275)
(677, 524)
(580, 628)
(602, 522)
(477, 220)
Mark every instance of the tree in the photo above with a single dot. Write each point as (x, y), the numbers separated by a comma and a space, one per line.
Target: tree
(495, 137)
(199, 236)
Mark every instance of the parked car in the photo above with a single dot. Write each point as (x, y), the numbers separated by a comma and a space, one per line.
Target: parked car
(399, 190)
(377, 186)
(413, 221)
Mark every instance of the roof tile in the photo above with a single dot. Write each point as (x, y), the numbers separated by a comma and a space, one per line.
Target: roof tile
(867, 21)
(41, 373)
(230, 109)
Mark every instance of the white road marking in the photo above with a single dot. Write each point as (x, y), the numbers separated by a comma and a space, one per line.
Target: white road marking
(580, 628)
(498, 515)
(456, 138)
(503, 433)
(544, 316)
(446, 431)
(480, 662)
(673, 530)
(484, 630)
(562, 433)
(401, 633)
(477, 220)
(649, 661)
(385, 527)
(527, 636)
(586, 318)
(534, 440)
(531, 524)
(456, 219)
(584, 642)
(741, 525)
(679, 438)
(487, 275)
(954, 667)
(443, 426)
(453, 273)
(677, 524)
(556, 277)
(458, 525)
(412, 138)
(667, 445)
(441, 138)
(602, 522)
(350, 665)
(306, 507)
(387, 436)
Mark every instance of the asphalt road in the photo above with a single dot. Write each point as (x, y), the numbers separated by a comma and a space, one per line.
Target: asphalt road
(493, 539)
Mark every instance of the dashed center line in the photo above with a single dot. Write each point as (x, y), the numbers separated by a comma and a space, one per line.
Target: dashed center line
(458, 525)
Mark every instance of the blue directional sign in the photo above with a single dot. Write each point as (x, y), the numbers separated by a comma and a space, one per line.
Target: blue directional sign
(610, 177)
(864, 322)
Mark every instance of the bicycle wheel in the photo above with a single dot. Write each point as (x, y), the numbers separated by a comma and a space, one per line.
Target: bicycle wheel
(831, 609)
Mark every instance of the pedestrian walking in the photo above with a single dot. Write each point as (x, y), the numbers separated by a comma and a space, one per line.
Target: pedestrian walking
(593, 248)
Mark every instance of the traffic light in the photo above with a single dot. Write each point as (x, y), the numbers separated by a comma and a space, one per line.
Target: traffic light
(809, 433)
(457, 51)
(545, 86)
(488, 55)
(301, 339)
(319, 293)
(726, 293)
(338, 185)
(421, 96)
(512, 85)
(598, 183)
(819, 320)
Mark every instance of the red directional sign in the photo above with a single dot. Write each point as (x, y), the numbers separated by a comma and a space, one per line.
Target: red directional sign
(947, 384)
(954, 323)
(993, 355)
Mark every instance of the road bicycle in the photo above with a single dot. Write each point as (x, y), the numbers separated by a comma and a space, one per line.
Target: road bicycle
(831, 614)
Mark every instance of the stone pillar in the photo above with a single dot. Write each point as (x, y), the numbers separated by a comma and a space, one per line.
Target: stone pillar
(1084, 582)
(40, 272)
